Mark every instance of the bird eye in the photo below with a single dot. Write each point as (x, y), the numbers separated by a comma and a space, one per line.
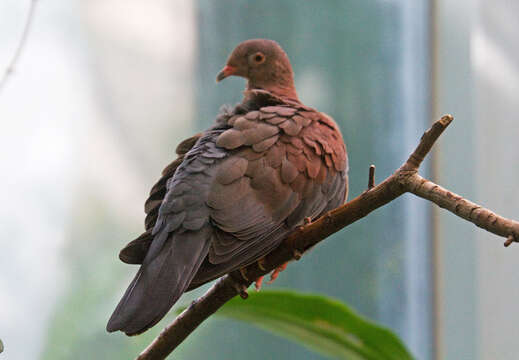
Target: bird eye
(258, 58)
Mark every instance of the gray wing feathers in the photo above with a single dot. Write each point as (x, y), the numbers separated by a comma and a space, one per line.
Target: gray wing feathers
(181, 240)
(232, 199)
(160, 282)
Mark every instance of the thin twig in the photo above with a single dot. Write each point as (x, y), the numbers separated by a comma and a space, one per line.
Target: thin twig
(371, 177)
(405, 179)
(21, 44)
(476, 214)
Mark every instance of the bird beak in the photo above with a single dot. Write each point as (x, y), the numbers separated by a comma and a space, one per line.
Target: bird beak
(226, 71)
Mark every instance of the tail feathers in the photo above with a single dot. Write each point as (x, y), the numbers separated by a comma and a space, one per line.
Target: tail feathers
(209, 271)
(135, 251)
(160, 282)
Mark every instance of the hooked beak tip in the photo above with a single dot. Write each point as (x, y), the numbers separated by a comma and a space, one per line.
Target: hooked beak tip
(220, 76)
(226, 71)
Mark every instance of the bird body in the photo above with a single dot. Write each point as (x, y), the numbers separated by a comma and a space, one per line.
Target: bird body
(235, 191)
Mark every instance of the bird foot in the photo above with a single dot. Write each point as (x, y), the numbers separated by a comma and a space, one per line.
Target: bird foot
(242, 290)
(261, 263)
(259, 281)
(306, 221)
(243, 274)
(276, 272)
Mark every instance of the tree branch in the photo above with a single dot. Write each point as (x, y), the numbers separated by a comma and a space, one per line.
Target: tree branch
(405, 179)
(23, 40)
(464, 208)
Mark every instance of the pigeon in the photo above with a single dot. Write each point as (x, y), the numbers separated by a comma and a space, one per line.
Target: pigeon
(236, 190)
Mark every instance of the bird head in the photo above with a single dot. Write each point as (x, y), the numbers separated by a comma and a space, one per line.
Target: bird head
(265, 66)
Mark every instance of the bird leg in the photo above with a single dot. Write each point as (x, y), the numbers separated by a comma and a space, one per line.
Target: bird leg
(243, 274)
(259, 281)
(297, 254)
(261, 263)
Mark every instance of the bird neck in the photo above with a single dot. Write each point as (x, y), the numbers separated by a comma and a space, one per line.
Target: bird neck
(278, 79)
(283, 89)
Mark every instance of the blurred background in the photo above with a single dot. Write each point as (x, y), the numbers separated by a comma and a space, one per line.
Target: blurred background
(105, 89)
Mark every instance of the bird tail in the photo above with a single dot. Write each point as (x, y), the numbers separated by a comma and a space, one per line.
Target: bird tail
(162, 279)
(135, 251)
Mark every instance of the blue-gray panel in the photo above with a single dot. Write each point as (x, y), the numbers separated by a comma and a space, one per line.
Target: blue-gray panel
(366, 64)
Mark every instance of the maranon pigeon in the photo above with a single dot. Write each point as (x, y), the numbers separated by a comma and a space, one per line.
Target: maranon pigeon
(236, 190)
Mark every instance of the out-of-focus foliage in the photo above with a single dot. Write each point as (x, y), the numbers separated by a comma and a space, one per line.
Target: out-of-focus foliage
(319, 323)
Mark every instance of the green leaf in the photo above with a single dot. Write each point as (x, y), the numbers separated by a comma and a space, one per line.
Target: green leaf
(1, 346)
(319, 323)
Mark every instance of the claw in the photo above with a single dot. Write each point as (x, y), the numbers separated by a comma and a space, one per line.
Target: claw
(276, 272)
(261, 263)
(258, 283)
(241, 289)
(297, 254)
(243, 275)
